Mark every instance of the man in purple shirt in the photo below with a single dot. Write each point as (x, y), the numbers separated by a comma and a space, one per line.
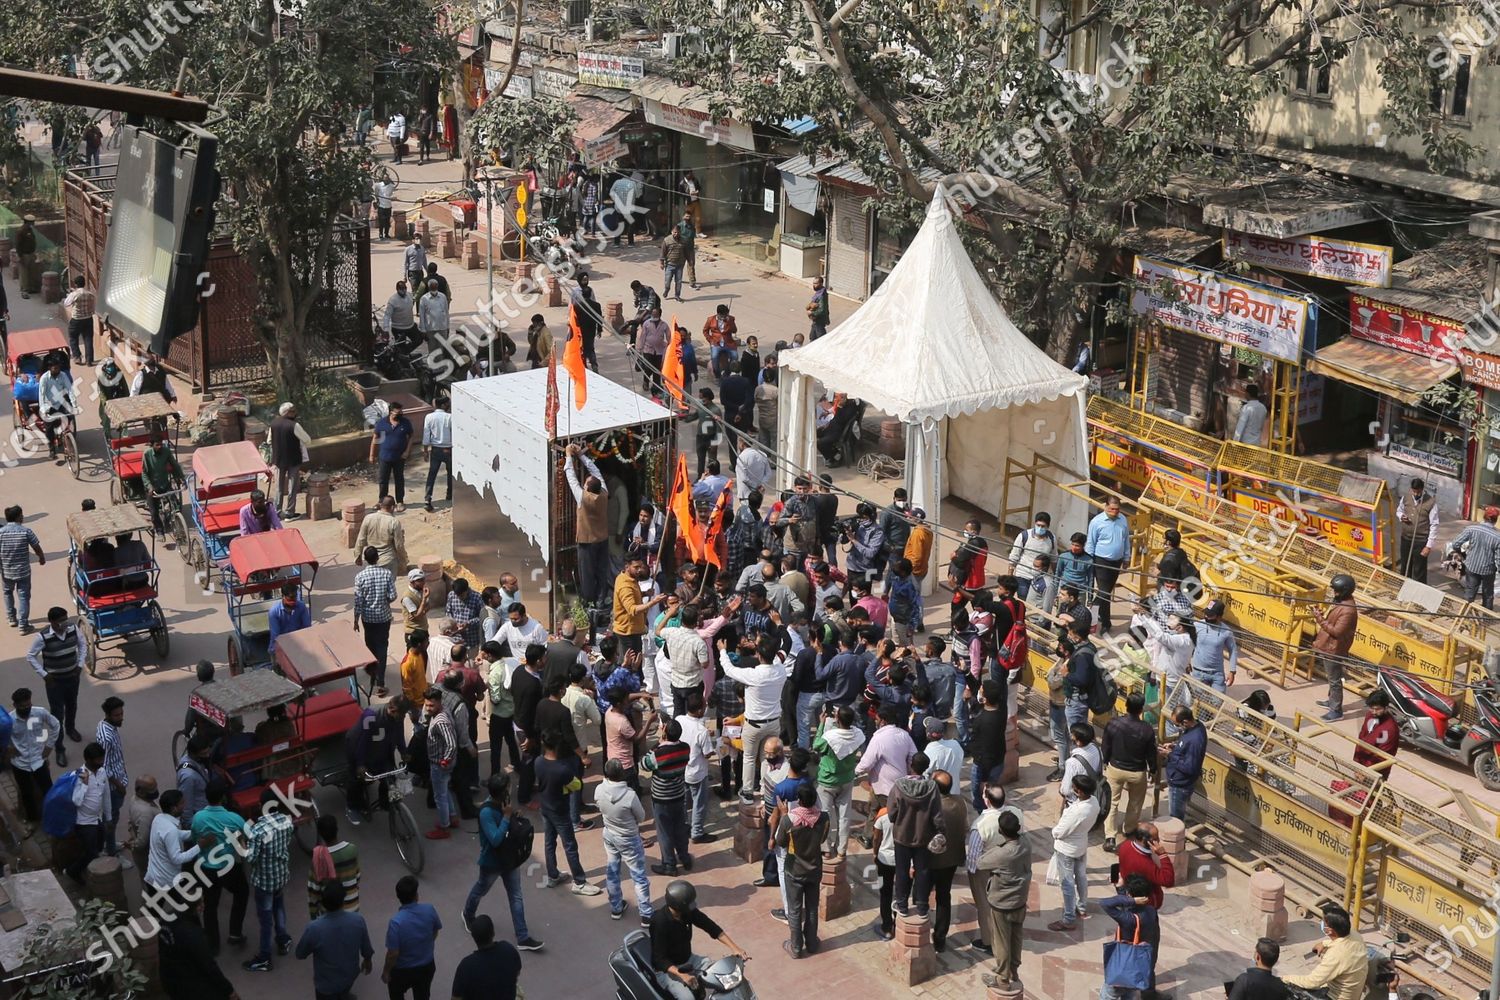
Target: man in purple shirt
(258, 515)
(886, 760)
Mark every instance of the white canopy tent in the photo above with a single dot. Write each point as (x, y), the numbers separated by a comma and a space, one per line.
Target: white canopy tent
(934, 349)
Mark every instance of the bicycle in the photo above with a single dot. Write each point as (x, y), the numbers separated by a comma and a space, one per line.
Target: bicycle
(63, 441)
(402, 825)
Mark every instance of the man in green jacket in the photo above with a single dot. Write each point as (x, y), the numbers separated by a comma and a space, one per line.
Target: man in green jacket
(162, 475)
(837, 745)
(1009, 865)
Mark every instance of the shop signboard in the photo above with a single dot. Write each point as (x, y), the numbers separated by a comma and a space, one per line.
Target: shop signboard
(1447, 462)
(711, 130)
(1480, 369)
(1316, 836)
(1316, 256)
(1310, 398)
(1344, 528)
(1230, 310)
(604, 69)
(518, 88)
(1412, 330)
(553, 82)
(605, 149)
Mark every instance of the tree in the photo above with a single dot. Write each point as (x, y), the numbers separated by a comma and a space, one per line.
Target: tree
(540, 129)
(273, 70)
(1048, 161)
(78, 962)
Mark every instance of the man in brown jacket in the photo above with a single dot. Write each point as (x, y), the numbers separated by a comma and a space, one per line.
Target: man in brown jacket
(1009, 865)
(1336, 627)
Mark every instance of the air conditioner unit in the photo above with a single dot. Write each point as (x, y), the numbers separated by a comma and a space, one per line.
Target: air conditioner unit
(804, 66)
(575, 12)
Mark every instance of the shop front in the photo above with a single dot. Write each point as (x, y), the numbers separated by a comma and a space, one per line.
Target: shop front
(1481, 372)
(804, 218)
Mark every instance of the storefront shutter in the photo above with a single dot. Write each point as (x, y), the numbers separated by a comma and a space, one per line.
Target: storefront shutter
(848, 249)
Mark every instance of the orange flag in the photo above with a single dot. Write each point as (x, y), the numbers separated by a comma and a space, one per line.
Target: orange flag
(552, 400)
(714, 540)
(573, 360)
(681, 504)
(671, 366)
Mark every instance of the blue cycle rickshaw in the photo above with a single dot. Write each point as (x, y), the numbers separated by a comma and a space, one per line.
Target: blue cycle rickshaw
(252, 577)
(113, 574)
(220, 482)
(28, 353)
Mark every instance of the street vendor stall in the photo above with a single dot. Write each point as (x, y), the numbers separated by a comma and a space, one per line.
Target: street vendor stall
(519, 515)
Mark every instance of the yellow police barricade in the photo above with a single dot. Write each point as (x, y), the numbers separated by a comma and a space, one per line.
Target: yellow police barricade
(1271, 574)
(1269, 797)
(1127, 447)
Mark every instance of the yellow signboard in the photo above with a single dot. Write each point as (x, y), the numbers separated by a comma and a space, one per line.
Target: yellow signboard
(1322, 839)
(1350, 532)
(1416, 895)
(1387, 646)
(1134, 469)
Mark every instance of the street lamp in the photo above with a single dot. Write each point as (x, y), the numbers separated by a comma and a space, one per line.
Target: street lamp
(486, 174)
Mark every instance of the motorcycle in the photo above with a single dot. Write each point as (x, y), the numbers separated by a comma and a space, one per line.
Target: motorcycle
(1429, 721)
(1382, 982)
(635, 977)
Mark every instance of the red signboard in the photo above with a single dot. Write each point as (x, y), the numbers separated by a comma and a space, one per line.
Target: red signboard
(1411, 330)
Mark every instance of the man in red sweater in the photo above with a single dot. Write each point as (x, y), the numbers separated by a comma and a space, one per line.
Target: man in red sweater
(1378, 730)
(1141, 854)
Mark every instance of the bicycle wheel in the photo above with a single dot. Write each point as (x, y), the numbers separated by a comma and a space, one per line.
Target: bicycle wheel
(408, 841)
(70, 452)
(179, 746)
(159, 634)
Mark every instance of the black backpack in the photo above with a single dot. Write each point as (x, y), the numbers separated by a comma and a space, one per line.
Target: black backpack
(520, 837)
(1104, 693)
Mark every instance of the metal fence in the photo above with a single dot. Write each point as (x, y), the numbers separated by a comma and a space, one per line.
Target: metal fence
(225, 348)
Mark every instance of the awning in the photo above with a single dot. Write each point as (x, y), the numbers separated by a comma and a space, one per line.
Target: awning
(800, 126)
(1382, 370)
(1286, 209)
(1171, 242)
(595, 118)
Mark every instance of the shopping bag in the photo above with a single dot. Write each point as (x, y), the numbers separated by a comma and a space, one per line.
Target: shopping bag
(1127, 964)
(1054, 875)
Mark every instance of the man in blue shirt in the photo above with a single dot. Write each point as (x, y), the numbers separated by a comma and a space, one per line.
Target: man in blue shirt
(410, 939)
(339, 943)
(843, 676)
(287, 615)
(1215, 640)
(710, 484)
(494, 824)
(1109, 543)
(1184, 765)
(389, 445)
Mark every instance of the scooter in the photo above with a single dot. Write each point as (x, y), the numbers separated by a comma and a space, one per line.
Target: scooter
(635, 978)
(1429, 721)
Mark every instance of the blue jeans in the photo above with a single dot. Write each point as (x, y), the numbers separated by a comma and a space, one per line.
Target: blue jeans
(1075, 881)
(629, 850)
(714, 356)
(512, 882)
(1178, 799)
(1214, 680)
(270, 909)
(116, 803)
(21, 589)
(979, 778)
(1076, 710)
(1058, 716)
(809, 704)
(1023, 587)
(698, 795)
(556, 823)
(671, 273)
(672, 830)
(961, 713)
(440, 775)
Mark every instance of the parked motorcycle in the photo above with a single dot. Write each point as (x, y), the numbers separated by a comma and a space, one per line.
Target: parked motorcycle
(635, 978)
(1429, 721)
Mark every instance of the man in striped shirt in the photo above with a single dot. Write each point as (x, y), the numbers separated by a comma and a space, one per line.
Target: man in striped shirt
(1478, 543)
(270, 870)
(442, 754)
(668, 766)
(15, 566)
(107, 735)
(374, 593)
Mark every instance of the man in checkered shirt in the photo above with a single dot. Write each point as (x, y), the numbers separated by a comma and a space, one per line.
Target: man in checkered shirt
(270, 870)
(107, 735)
(465, 614)
(15, 566)
(374, 593)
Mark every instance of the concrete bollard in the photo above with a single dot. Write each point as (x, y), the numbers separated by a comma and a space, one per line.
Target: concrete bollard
(51, 287)
(614, 316)
(105, 879)
(1011, 769)
(834, 900)
(352, 514)
(1268, 905)
(749, 833)
(447, 244)
(554, 291)
(398, 224)
(911, 959)
(1174, 842)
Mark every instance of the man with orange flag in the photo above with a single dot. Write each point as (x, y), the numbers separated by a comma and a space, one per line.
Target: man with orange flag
(681, 504)
(671, 366)
(573, 354)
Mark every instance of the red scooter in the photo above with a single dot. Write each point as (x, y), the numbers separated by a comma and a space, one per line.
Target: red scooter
(1429, 721)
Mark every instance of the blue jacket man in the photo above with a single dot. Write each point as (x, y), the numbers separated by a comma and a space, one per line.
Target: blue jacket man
(1184, 764)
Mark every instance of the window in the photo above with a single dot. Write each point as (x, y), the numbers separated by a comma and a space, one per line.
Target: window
(1312, 72)
(1450, 95)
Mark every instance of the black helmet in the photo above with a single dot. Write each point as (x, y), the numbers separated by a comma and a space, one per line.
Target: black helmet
(1342, 586)
(682, 896)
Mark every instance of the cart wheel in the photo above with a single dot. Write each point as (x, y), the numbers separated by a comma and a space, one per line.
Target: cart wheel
(159, 634)
(236, 662)
(70, 452)
(90, 646)
(408, 840)
(115, 493)
(179, 531)
(179, 746)
(197, 558)
(307, 829)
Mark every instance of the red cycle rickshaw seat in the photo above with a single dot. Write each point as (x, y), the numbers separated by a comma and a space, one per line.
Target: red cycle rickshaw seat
(128, 464)
(135, 595)
(219, 518)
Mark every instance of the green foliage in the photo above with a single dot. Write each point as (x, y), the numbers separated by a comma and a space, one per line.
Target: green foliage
(59, 947)
(540, 129)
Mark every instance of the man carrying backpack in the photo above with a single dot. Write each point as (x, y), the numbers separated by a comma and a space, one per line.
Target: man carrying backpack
(505, 838)
(1083, 675)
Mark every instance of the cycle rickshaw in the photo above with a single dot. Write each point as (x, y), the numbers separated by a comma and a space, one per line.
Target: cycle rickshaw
(115, 586)
(252, 577)
(27, 356)
(220, 482)
(131, 423)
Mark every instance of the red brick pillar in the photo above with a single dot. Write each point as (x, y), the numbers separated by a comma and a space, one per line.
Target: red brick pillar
(614, 316)
(353, 515)
(1268, 905)
(911, 959)
(1174, 842)
(834, 900)
(749, 834)
(554, 292)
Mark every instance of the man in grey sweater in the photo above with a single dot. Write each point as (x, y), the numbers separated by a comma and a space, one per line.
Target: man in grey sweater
(916, 814)
(1009, 865)
(620, 808)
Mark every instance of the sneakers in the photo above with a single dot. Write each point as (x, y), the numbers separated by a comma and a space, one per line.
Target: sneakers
(704, 838)
(529, 944)
(586, 889)
(257, 964)
(284, 946)
(645, 920)
(668, 871)
(884, 934)
(353, 817)
(1333, 715)
(1110, 845)
(617, 914)
(779, 915)
(553, 881)
(1055, 774)
(584, 824)
(438, 833)
(428, 507)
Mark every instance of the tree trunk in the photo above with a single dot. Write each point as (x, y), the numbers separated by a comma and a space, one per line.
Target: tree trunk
(1068, 311)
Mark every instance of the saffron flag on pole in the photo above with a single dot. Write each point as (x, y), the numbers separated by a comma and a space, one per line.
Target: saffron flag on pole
(681, 505)
(671, 366)
(713, 540)
(573, 360)
(552, 400)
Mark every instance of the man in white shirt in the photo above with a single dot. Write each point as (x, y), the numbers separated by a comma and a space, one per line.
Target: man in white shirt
(1070, 848)
(1251, 426)
(432, 313)
(437, 443)
(80, 306)
(1083, 758)
(171, 845)
(701, 742)
(519, 631)
(943, 752)
(763, 683)
(752, 472)
(57, 400)
(384, 192)
(92, 802)
(395, 131)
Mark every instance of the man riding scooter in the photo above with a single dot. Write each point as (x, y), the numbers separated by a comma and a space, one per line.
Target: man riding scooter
(677, 968)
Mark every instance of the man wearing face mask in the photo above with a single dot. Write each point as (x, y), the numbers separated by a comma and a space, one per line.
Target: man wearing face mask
(1037, 540)
(34, 732)
(400, 316)
(895, 522)
(629, 607)
(1343, 966)
(288, 614)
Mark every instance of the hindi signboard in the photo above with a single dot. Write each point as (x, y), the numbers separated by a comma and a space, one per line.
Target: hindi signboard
(603, 69)
(1411, 330)
(1230, 310)
(1317, 256)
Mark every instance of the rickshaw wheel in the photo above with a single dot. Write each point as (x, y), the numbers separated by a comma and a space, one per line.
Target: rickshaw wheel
(70, 452)
(236, 662)
(90, 646)
(197, 558)
(179, 530)
(159, 634)
(408, 840)
(115, 492)
(179, 746)
(307, 830)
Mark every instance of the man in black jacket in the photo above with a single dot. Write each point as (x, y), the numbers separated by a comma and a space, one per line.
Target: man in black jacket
(526, 689)
(188, 969)
(1129, 757)
(1258, 982)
